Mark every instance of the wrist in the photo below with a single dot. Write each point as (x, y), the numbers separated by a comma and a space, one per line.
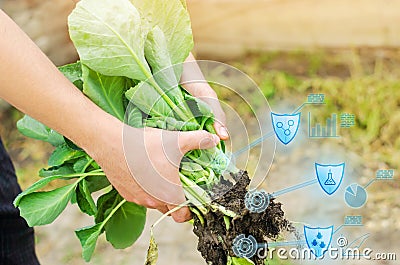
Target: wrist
(100, 132)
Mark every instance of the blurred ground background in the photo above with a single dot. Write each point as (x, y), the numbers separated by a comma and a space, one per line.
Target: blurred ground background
(349, 53)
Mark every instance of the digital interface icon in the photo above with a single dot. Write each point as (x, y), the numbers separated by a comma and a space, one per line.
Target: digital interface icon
(315, 98)
(347, 120)
(320, 131)
(330, 176)
(246, 247)
(355, 196)
(285, 126)
(385, 174)
(256, 201)
(318, 239)
(353, 220)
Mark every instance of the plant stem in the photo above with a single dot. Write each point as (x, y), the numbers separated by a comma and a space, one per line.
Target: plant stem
(87, 165)
(202, 197)
(169, 101)
(96, 172)
(112, 213)
(169, 212)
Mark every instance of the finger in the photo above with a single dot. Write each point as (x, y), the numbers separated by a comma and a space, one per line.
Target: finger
(197, 140)
(219, 115)
(182, 215)
(221, 130)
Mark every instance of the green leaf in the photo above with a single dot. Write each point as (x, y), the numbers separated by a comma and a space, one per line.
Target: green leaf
(106, 91)
(110, 38)
(62, 154)
(37, 130)
(152, 252)
(41, 208)
(134, 116)
(56, 171)
(157, 55)
(239, 261)
(126, 225)
(36, 186)
(73, 72)
(88, 237)
(184, 3)
(147, 99)
(200, 108)
(71, 144)
(171, 124)
(174, 21)
(80, 164)
(84, 198)
(96, 183)
(105, 202)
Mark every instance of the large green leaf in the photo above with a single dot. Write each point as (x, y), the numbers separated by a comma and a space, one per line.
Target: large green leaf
(174, 21)
(37, 130)
(106, 91)
(88, 237)
(41, 208)
(126, 225)
(36, 186)
(62, 154)
(147, 99)
(109, 37)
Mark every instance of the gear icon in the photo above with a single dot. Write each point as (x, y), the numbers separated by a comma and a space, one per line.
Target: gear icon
(244, 247)
(256, 201)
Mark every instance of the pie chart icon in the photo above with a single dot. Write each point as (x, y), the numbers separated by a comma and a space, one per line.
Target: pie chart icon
(355, 196)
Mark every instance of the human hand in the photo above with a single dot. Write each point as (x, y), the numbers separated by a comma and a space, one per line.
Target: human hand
(194, 82)
(152, 157)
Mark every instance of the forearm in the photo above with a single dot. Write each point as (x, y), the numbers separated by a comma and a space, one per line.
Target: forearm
(30, 82)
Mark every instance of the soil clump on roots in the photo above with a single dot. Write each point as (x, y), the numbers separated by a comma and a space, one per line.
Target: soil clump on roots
(215, 240)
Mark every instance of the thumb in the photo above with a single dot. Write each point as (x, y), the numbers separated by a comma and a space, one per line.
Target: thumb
(197, 140)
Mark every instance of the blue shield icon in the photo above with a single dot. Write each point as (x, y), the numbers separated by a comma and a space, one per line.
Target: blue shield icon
(318, 239)
(285, 126)
(329, 176)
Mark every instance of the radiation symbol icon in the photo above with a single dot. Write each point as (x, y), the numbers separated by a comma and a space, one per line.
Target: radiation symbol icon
(285, 126)
(318, 239)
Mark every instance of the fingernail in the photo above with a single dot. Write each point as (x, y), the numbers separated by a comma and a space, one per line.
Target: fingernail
(223, 132)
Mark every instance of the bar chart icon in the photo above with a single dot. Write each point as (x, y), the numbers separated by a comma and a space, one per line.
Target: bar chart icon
(319, 131)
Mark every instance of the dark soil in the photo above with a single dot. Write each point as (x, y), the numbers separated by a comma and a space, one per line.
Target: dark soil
(215, 241)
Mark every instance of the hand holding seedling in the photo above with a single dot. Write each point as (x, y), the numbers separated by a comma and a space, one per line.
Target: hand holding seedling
(153, 157)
